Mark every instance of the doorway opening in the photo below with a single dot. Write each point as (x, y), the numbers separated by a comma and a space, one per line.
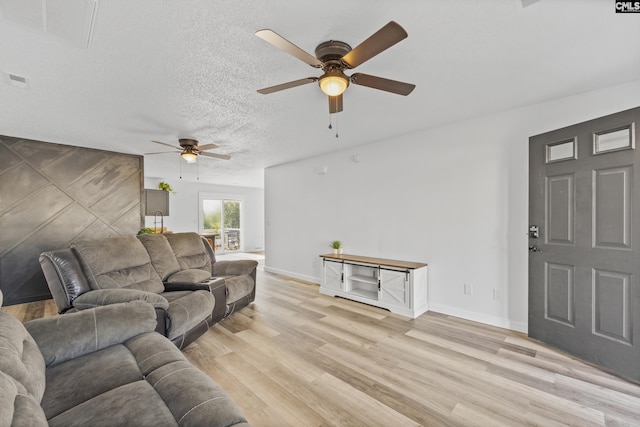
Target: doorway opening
(221, 221)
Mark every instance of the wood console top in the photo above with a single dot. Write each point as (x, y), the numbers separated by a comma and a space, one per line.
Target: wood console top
(375, 261)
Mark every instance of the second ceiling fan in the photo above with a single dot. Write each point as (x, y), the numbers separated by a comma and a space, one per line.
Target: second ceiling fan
(334, 57)
(190, 150)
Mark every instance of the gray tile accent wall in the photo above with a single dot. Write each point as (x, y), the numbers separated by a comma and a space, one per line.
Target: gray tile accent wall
(53, 194)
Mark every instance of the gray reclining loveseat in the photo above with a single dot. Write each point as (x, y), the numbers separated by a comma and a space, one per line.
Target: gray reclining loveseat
(174, 273)
(103, 367)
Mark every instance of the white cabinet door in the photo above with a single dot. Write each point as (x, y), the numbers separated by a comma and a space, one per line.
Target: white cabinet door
(332, 278)
(394, 288)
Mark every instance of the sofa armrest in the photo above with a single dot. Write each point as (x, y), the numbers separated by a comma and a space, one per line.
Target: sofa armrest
(64, 277)
(72, 335)
(234, 268)
(103, 297)
(209, 285)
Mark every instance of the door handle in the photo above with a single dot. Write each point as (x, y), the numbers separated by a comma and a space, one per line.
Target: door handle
(534, 248)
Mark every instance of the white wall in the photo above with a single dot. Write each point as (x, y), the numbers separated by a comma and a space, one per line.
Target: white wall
(455, 197)
(184, 208)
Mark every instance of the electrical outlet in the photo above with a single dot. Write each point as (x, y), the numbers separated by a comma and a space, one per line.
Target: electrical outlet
(497, 294)
(468, 289)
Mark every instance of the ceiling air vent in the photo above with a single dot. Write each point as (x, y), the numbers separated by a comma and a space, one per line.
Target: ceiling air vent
(16, 80)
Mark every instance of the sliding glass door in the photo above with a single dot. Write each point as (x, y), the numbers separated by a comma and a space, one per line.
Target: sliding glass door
(220, 221)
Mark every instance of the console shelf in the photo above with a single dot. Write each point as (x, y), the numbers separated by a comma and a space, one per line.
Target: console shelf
(365, 279)
(398, 286)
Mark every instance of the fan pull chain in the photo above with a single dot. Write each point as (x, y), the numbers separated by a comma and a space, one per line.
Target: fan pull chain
(180, 161)
(198, 171)
(331, 124)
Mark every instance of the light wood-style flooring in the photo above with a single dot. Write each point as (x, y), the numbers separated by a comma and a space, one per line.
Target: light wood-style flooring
(296, 357)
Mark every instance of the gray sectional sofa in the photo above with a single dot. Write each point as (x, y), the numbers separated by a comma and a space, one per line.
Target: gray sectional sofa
(176, 273)
(103, 367)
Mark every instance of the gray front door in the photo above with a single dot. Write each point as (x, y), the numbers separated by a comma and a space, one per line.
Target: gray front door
(584, 264)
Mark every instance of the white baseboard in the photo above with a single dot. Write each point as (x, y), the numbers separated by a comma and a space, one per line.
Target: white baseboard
(450, 311)
(479, 317)
(292, 274)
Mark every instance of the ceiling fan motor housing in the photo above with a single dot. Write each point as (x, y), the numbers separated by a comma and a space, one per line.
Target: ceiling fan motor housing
(188, 142)
(331, 52)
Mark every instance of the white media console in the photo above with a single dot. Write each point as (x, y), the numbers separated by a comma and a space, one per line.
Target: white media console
(398, 286)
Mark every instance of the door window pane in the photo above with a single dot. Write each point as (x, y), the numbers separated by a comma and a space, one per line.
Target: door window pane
(231, 225)
(619, 139)
(212, 215)
(563, 150)
(211, 220)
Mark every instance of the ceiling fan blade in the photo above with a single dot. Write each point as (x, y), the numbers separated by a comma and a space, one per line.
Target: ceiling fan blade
(161, 152)
(205, 147)
(380, 41)
(281, 43)
(335, 104)
(380, 83)
(217, 156)
(168, 145)
(527, 3)
(287, 85)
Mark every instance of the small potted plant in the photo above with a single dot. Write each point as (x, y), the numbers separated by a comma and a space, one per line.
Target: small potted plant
(337, 247)
(165, 187)
(146, 230)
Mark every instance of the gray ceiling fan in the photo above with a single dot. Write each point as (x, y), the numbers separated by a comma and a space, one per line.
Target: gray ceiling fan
(334, 57)
(190, 150)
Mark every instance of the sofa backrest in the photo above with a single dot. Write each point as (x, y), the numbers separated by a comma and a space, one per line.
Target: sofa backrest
(209, 250)
(162, 257)
(190, 251)
(117, 262)
(64, 277)
(22, 375)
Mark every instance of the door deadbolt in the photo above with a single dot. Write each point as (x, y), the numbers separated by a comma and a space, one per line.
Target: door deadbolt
(534, 232)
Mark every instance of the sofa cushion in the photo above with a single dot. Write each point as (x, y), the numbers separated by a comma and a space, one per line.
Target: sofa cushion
(117, 262)
(88, 376)
(20, 357)
(137, 404)
(162, 257)
(17, 407)
(187, 309)
(150, 382)
(190, 251)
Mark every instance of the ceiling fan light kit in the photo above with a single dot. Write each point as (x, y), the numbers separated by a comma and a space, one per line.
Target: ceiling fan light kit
(333, 82)
(334, 57)
(189, 155)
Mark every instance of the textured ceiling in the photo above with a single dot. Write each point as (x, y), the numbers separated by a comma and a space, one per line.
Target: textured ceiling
(168, 69)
